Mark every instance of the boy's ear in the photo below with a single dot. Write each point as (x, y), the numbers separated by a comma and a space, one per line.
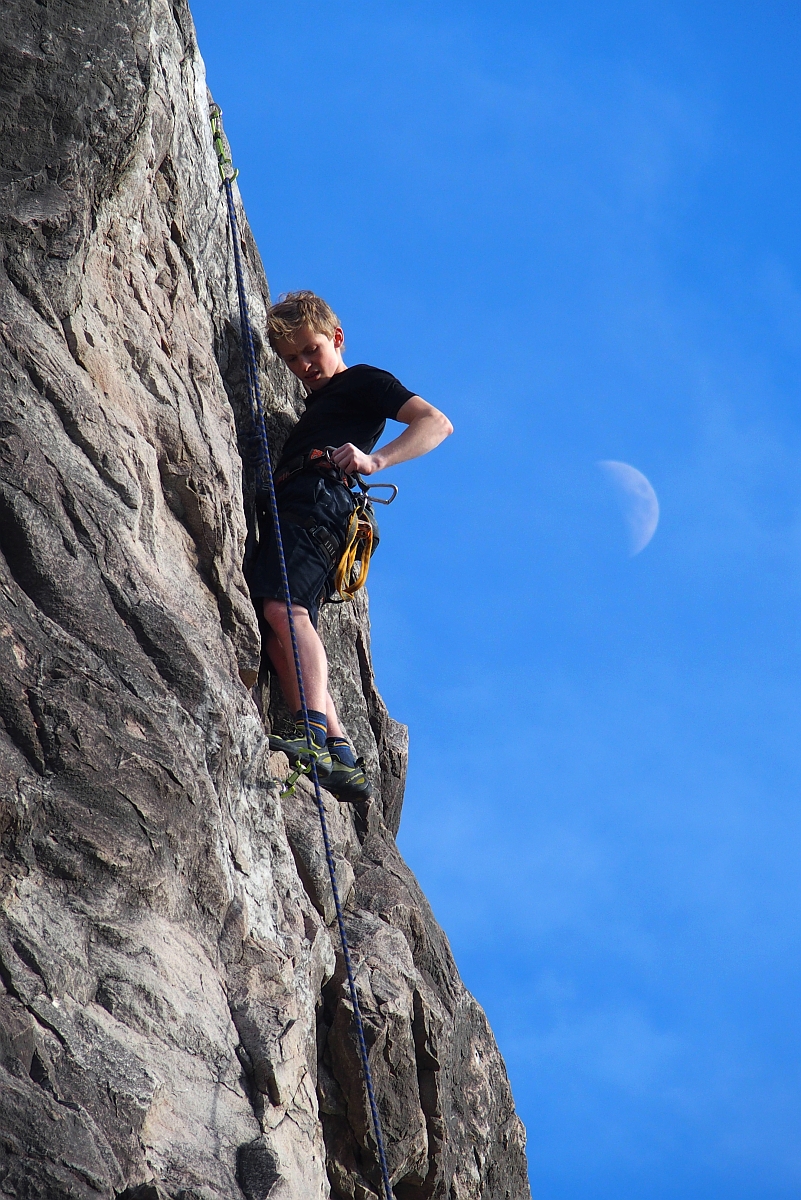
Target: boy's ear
(339, 338)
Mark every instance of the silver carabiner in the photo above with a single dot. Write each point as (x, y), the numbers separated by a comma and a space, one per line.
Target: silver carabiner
(369, 487)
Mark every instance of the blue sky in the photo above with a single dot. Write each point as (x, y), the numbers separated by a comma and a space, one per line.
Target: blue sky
(574, 228)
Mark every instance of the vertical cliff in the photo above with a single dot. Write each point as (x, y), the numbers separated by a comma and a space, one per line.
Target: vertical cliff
(173, 1021)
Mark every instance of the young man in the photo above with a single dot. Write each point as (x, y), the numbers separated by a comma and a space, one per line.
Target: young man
(346, 411)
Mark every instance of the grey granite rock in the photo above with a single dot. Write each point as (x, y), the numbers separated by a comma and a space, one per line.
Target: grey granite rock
(173, 1021)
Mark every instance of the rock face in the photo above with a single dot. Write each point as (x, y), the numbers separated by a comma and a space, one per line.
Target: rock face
(173, 1021)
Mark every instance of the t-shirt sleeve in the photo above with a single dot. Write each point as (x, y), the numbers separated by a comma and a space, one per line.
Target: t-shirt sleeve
(387, 393)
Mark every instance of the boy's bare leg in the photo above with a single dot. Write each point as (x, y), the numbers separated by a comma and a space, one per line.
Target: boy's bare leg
(313, 661)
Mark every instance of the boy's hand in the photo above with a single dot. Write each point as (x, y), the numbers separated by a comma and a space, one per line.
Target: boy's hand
(350, 459)
(427, 427)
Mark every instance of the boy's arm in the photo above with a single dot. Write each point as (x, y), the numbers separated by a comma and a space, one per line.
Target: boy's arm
(427, 427)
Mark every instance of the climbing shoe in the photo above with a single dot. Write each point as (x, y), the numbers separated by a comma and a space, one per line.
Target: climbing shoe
(297, 751)
(348, 783)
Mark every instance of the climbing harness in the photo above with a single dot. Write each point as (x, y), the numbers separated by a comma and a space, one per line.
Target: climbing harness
(227, 175)
(320, 460)
(361, 539)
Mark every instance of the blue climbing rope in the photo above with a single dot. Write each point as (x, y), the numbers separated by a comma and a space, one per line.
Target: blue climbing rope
(227, 175)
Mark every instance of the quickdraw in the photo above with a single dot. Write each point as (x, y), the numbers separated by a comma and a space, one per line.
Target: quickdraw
(293, 777)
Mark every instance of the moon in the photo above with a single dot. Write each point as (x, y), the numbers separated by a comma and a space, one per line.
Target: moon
(637, 500)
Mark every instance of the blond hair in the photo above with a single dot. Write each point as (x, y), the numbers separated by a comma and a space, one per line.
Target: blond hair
(296, 310)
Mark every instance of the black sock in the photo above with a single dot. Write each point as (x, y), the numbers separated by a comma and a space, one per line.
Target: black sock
(341, 747)
(318, 723)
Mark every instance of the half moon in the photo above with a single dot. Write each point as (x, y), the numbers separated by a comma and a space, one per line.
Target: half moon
(638, 502)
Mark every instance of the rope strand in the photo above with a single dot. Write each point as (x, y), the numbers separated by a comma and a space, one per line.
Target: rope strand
(266, 478)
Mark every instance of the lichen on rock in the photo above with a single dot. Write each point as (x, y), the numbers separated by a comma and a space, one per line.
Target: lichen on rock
(173, 1021)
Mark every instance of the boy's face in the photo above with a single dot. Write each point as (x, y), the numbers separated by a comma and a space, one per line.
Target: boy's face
(314, 357)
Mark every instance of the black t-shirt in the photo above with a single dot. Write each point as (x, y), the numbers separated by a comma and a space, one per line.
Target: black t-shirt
(352, 407)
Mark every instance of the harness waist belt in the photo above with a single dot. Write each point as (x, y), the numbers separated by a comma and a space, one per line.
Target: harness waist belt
(315, 460)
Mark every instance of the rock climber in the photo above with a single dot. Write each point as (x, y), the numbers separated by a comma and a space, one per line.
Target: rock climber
(346, 412)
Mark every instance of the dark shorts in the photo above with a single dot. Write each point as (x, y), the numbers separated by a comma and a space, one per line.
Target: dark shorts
(314, 512)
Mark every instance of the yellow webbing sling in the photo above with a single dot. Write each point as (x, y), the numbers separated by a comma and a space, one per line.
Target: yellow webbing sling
(351, 572)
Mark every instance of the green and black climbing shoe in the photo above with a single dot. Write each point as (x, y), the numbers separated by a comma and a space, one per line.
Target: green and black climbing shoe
(348, 783)
(297, 751)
